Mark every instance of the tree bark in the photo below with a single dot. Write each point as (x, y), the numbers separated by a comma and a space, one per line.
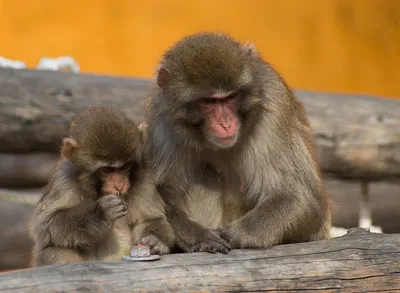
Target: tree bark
(356, 137)
(357, 262)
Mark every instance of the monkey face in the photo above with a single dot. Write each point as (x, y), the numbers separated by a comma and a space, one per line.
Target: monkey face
(206, 83)
(222, 123)
(115, 180)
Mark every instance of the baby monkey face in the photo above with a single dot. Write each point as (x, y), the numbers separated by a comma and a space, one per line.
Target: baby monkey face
(115, 180)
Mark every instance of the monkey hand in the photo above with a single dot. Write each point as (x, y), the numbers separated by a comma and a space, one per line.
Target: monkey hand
(111, 207)
(155, 244)
(224, 234)
(239, 237)
(208, 241)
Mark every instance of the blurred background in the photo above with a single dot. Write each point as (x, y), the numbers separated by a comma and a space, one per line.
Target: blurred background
(341, 46)
(350, 46)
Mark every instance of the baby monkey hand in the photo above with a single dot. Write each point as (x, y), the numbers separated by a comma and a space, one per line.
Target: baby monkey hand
(111, 207)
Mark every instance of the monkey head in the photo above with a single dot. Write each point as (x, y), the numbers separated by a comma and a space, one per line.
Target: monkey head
(208, 84)
(107, 145)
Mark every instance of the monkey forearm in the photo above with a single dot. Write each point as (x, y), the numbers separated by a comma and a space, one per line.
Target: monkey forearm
(191, 236)
(158, 227)
(277, 220)
(184, 227)
(79, 228)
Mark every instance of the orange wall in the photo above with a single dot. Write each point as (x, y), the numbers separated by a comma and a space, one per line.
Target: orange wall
(332, 45)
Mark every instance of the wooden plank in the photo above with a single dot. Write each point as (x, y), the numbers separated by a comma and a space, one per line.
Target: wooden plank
(357, 262)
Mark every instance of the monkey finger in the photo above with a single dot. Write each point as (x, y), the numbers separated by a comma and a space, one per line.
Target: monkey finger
(118, 208)
(219, 248)
(223, 242)
(159, 249)
(150, 240)
(224, 250)
(109, 197)
(203, 247)
(117, 215)
(216, 247)
(116, 202)
(109, 201)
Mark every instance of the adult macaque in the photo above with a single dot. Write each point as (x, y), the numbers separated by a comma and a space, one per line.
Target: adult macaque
(231, 149)
(100, 199)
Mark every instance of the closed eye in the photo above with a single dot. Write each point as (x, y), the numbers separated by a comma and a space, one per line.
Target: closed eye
(126, 167)
(210, 100)
(232, 96)
(107, 169)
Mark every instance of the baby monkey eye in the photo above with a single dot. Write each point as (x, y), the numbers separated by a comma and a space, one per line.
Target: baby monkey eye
(126, 167)
(107, 169)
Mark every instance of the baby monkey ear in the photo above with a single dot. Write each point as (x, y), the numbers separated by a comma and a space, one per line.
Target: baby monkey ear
(68, 148)
(162, 76)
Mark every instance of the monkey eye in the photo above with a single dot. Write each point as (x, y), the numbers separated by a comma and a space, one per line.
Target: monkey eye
(232, 96)
(209, 100)
(126, 167)
(107, 169)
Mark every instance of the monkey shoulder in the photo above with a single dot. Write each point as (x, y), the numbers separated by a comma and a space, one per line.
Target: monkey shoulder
(62, 191)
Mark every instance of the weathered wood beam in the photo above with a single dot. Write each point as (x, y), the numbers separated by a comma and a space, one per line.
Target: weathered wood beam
(357, 262)
(16, 206)
(25, 170)
(356, 137)
(37, 106)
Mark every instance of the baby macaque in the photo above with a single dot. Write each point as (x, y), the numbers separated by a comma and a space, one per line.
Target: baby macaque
(101, 198)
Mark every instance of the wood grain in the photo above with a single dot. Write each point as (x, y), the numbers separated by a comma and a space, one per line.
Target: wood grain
(357, 262)
(356, 137)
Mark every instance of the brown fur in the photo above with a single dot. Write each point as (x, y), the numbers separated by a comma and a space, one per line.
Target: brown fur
(77, 218)
(264, 189)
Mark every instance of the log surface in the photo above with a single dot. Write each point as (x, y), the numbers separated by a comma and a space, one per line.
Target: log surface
(37, 106)
(356, 137)
(357, 262)
(26, 170)
(17, 206)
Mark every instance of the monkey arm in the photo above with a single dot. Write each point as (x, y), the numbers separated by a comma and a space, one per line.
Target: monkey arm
(146, 212)
(81, 226)
(147, 217)
(67, 220)
(190, 235)
(280, 218)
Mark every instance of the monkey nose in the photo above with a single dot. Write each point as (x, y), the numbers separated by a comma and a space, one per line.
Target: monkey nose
(226, 125)
(119, 187)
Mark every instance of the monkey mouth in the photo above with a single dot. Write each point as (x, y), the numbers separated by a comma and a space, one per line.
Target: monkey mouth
(224, 142)
(228, 139)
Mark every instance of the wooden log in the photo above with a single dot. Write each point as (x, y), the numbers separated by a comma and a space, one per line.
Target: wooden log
(37, 106)
(16, 207)
(357, 262)
(356, 137)
(25, 170)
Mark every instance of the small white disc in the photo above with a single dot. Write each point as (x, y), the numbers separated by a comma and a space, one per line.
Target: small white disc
(147, 258)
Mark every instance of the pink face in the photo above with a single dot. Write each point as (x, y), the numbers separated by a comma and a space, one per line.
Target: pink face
(222, 123)
(115, 180)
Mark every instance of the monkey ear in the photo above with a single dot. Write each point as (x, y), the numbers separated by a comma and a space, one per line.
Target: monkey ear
(250, 48)
(68, 147)
(162, 76)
